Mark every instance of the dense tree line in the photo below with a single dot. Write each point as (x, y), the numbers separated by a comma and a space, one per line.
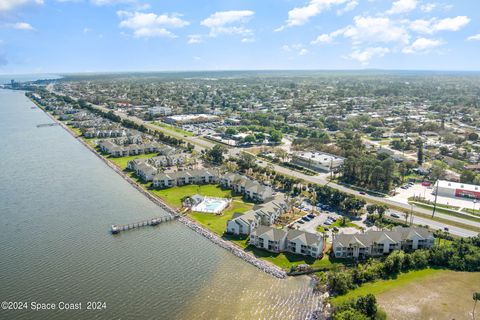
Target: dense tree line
(370, 172)
(360, 308)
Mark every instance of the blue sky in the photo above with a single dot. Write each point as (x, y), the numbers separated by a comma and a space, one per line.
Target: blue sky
(136, 35)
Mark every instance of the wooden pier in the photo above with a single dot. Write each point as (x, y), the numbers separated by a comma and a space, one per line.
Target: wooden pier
(117, 228)
(47, 125)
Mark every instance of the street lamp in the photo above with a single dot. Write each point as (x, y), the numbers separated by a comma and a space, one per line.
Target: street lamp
(435, 204)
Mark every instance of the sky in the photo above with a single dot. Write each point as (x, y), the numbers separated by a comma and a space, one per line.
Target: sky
(61, 36)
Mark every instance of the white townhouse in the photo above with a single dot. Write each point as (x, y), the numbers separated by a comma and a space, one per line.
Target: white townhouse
(294, 241)
(265, 214)
(268, 238)
(168, 180)
(304, 243)
(250, 188)
(377, 243)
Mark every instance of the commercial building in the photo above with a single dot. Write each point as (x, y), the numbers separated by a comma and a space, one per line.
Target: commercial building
(160, 111)
(191, 118)
(318, 161)
(456, 190)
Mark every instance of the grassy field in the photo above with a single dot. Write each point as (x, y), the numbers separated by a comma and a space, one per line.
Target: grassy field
(441, 295)
(172, 128)
(218, 223)
(173, 196)
(445, 211)
(381, 286)
(122, 162)
(471, 211)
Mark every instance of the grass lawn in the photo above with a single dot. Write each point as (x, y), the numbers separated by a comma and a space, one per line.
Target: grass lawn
(286, 260)
(218, 223)
(173, 128)
(122, 162)
(471, 211)
(442, 295)
(173, 196)
(381, 286)
(75, 130)
(338, 224)
(445, 211)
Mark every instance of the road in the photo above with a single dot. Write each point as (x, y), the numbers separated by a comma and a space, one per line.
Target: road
(201, 144)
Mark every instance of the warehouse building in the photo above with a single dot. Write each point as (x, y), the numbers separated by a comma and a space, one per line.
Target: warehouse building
(457, 190)
(318, 161)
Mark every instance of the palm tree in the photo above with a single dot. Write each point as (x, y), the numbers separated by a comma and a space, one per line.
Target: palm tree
(476, 297)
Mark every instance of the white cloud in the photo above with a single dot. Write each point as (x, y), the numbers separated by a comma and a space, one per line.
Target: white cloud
(23, 26)
(147, 25)
(301, 15)
(422, 45)
(6, 5)
(402, 6)
(303, 52)
(228, 22)
(475, 37)
(374, 30)
(364, 56)
(348, 7)
(195, 38)
(428, 7)
(435, 25)
(296, 48)
(323, 38)
(110, 2)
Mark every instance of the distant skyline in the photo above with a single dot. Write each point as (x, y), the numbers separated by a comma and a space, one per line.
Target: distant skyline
(69, 36)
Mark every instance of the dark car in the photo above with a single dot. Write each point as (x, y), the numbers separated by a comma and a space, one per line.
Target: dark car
(362, 193)
(301, 221)
(311, 215)
(305, 219)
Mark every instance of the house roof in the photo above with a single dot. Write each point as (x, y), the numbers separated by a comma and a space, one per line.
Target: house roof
(306, 237)
(272, 233)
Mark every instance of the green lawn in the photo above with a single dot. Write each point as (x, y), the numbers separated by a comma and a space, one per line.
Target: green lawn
(122, 162)
(75, 130)
(173, 128)
(173, 196)
(445, 211)
(286, 260)
(381, 286)
(471, 211)
(218, 223)
(338, 224)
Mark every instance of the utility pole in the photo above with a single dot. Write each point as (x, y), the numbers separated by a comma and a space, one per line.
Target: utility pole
(435, 204)
(411, 214)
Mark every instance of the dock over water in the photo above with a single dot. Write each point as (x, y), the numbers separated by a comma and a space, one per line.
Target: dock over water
(47, 125)
(117, 228)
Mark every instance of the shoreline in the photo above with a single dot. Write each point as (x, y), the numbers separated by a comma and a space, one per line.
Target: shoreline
(265, 266)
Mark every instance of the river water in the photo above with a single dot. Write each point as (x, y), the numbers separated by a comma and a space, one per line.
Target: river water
(57, 201)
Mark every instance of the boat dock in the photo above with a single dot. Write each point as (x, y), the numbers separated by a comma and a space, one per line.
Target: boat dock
(117, 228)
(47, 125)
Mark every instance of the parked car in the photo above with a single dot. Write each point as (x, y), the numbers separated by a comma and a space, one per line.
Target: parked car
(362, 192)
(326, 228)
(305, 218)
(335, 229)
(327, 223)
(395, 215)
(446, 229)
(301, 221)
(311, 215)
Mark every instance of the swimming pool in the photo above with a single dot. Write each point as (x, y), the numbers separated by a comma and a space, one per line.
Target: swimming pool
(211, 205)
